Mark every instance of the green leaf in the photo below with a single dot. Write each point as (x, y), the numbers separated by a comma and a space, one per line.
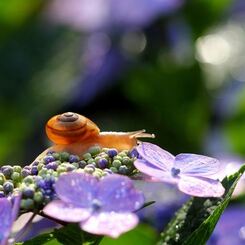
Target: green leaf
(70, 234)
(195, 221)
(142, 234)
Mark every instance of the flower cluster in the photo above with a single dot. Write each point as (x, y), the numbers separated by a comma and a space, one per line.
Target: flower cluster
(92, 191)
(36, 181)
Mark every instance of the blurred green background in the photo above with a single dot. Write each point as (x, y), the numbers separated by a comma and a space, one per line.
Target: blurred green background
(174, 68)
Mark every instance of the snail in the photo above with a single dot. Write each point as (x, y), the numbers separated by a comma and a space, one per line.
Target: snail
(75, 133)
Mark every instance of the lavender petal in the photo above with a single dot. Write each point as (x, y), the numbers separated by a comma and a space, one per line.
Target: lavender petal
(66, 212)
(196, 165)
(110, 223)
(77, 189)
(117, 193)
(155, 172)
(156, 155)
(201, 187)
(5, 219)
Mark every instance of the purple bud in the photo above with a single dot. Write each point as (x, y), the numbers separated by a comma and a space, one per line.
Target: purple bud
(25, 173)
(102, 163)
(28, 192)
(8, 187)
(48, 159)
(41, 183)
(7, 171)
(133, 153)
(112, 152)
(73, 158)
(34, 170)
(52, 165)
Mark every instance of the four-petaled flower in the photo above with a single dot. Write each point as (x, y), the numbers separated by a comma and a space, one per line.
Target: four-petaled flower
(8, 214)
(103, 207)
(190, 172)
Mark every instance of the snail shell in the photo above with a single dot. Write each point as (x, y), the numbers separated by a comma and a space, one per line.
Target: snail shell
(75, 133)
(69, 128)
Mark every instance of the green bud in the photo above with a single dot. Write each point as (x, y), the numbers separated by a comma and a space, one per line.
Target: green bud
(28, 180)
(113, 169)
(55, 174)
(58, 162)
(91, 161)
(1, 188)
(122, 154)
(88, 170)
(27, 204)
(97, 175)
(40, 166)
(94, 150)
(50, 172)
(116, 163)
(43, 172)
(117, 158)
(61, 169)
(97, 159)
(87, 156)
(56, 155)
(75, 164)
(64, 164)
(127, 161)
(38, 197)
(64, 156)
(16, 177)
(2, 179)
(17, 168)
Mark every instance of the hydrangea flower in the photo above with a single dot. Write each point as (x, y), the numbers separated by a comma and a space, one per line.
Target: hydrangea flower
(103, 207)
(8, 214)
(190, 172)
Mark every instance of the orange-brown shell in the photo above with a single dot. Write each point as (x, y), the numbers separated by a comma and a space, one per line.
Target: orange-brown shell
(75, 133)
(69, 128)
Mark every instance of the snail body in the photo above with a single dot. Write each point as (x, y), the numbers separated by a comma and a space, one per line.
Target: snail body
(75, 133)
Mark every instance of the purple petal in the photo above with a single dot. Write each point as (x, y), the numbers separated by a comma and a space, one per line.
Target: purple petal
(197, 165)
(110, 223)
(16, 206)
(201, 187)
(77, 189)
(156, 156)
(154, 171)
(117, 193)
(5, 219)
(66, 212)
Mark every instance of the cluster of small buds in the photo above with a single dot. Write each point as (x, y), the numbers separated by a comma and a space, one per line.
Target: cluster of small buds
(36, 181)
